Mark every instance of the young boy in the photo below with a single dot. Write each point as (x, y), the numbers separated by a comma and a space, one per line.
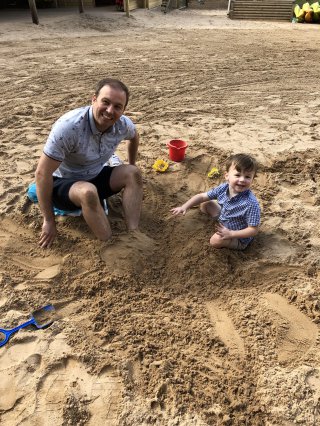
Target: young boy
(236, 208)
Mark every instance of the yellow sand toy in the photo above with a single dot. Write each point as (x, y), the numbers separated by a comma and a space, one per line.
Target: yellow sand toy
(214, 172)
(160, 166)
(307, 13)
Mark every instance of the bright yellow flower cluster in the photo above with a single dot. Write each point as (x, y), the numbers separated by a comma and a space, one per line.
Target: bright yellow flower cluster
(214, 172)
(160, 165)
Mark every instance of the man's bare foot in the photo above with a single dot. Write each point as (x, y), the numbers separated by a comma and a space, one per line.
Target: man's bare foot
(129, 252)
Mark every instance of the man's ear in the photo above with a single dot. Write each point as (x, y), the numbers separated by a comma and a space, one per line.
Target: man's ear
(94, 98)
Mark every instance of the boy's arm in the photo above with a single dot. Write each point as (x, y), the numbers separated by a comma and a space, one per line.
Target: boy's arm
(227, 234)
(193, 201)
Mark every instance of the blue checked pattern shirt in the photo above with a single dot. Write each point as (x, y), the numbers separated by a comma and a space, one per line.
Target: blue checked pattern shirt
(82, 149)
(238, 212)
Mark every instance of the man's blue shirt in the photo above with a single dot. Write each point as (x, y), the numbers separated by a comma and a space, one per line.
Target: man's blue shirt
(81, 147)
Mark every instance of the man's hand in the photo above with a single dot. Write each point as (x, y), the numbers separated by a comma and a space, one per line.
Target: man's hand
(48, 234)
(223, 232)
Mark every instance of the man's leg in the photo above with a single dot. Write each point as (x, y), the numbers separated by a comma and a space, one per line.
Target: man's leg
(128, 178)
(85, 195)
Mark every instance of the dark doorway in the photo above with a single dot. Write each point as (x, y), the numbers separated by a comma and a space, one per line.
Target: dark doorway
(105, 3)
(15, 4)
(24, 4)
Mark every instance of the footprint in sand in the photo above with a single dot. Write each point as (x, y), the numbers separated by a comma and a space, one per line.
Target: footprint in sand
(300, 334)
(48, 267)
(16, 365)
(5, 235)
(39, 387)
(14, 244)
(276, 248)
(69, 393)
(226, 330)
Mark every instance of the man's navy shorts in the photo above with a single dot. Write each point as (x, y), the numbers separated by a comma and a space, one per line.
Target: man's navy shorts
(61, 188)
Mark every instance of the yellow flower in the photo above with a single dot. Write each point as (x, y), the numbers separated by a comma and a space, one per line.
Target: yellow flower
(214, 172)
(160, 165)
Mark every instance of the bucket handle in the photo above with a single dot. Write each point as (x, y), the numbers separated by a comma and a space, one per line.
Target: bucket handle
(177, 147)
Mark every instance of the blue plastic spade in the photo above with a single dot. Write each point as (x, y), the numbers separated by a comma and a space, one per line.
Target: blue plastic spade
(41, 318)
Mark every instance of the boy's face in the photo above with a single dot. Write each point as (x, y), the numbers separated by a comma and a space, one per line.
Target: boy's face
(238, 181)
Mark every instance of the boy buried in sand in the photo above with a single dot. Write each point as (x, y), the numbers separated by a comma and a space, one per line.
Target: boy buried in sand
(236, 208)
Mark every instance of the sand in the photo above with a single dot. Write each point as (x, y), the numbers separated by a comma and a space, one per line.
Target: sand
(160, 328)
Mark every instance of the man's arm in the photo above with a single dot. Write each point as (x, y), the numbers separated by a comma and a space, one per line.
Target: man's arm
(44, 185)
(133, 148)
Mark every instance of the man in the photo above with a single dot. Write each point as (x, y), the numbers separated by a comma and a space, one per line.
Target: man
(71, 172)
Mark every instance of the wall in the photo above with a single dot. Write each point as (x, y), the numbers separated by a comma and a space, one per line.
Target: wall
(193, 4)
(153, 3)
(209, 4)
(136, 4)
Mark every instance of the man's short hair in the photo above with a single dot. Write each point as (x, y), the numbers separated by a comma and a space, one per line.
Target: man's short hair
(115, 84)
(242, 162)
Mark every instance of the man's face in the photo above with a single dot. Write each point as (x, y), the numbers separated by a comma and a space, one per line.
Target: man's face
(108, 107)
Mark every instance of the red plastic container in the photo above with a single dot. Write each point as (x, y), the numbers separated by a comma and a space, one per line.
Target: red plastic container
(177, 149)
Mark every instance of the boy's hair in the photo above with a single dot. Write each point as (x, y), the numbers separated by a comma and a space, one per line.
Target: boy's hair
(242, 162)
(115, 84)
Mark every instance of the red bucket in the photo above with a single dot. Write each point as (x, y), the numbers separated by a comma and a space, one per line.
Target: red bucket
(177, 149)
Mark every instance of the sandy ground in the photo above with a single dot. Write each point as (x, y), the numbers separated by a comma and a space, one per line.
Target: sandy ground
(162, 329)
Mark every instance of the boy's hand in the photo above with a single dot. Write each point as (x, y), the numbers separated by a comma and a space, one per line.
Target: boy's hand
(223, 232)
(178, 210)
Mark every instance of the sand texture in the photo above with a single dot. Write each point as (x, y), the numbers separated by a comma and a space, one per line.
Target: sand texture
(158, 327)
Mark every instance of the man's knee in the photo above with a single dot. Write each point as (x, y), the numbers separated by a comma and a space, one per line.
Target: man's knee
(133, 176)
(136, 175)
(89, 196)
(125, 176)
